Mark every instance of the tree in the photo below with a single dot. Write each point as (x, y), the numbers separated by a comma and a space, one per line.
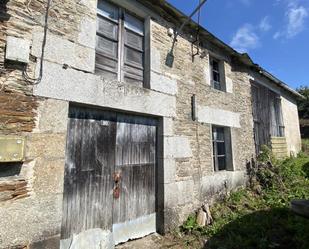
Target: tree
(303, 103)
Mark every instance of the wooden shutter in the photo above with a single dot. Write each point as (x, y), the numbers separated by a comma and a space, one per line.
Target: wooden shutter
(120, 45)
(133, 65)
(107, 40)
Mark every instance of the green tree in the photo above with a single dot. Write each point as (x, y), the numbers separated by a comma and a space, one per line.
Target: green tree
(303, 103)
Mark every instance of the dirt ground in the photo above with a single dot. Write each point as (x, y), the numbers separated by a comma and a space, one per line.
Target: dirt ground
(158, 241)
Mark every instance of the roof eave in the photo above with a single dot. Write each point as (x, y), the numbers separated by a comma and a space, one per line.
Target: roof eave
(242, 57)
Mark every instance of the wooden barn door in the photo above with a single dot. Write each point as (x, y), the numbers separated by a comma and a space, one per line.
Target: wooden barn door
(134, 210)
(109, 180)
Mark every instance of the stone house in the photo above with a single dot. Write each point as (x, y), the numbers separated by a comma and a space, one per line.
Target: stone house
(106, 136)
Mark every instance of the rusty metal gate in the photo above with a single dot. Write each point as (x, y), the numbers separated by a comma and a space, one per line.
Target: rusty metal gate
(109, 180)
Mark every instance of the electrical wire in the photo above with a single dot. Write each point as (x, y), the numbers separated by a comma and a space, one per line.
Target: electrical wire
(35, 81)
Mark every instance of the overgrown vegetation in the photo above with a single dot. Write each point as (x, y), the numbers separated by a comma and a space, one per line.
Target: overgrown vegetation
(259, 216)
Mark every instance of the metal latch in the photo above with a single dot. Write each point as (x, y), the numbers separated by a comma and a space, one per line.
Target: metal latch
(116, 190)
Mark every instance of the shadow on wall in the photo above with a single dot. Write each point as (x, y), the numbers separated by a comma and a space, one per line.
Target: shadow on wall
(275, 228)
(305, 145)
(10, 169)
(3, 11)
(4, 17)
(304, 128)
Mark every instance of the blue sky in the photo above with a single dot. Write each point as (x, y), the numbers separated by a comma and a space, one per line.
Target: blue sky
(275, 33)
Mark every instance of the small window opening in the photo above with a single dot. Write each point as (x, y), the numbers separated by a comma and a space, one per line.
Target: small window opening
(217, 74)
(222, 151)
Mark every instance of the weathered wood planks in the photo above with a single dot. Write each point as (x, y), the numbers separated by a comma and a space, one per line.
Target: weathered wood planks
(100, 144)
(267, 115)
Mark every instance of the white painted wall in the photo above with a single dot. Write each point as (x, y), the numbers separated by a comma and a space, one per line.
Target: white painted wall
(291, 122)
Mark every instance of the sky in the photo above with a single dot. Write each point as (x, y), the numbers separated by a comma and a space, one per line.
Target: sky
(275, 33)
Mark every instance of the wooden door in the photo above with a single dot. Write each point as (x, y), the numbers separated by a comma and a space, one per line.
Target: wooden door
(109, 180)
(88, 171)
(134, 210)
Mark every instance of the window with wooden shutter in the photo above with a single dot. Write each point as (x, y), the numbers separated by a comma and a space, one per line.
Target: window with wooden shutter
(107, 44)
(120, 44)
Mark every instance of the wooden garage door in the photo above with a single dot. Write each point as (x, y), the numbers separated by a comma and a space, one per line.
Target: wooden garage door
(109, 174)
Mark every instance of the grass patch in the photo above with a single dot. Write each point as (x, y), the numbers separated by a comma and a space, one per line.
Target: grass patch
(259, 216)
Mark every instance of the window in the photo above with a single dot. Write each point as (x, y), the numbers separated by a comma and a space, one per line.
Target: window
(119, 45)
(222, 151)
(217, 77)
(278, 117)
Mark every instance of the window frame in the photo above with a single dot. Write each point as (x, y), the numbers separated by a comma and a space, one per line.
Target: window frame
(279, 116)
(125, 68)
(227, 143)
(217, 85)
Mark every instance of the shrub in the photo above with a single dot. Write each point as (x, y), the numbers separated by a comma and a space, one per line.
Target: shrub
(261, 219)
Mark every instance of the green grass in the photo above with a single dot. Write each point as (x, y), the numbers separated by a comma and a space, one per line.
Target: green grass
(259, 216)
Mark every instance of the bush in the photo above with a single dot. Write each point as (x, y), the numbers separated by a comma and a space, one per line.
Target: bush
(248, 218)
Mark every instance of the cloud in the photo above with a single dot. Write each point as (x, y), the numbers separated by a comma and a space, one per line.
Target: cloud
(296, 20)
(265, 24)
(296, 16)
(245, 38)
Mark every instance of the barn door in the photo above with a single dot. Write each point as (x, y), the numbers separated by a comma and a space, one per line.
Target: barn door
(88, 172)
(109, 180)
(134, 208)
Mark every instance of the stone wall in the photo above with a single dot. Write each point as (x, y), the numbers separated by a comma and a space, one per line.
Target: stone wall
(31, 192)
(39, 113)
(192, 182)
